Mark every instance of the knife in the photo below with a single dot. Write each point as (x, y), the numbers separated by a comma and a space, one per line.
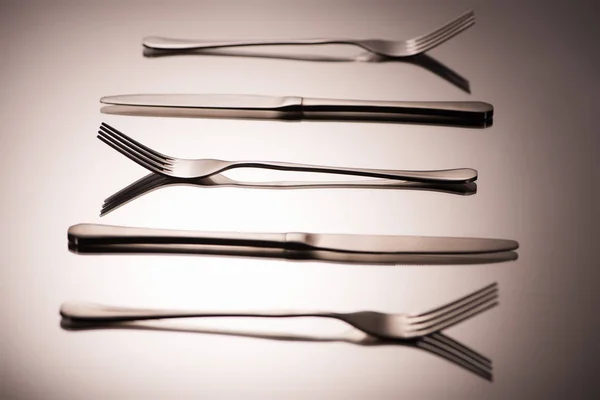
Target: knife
(293, 107)
(297, 255)
(88, 236)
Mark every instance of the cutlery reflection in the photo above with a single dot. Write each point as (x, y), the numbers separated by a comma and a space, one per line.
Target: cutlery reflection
(343, 248)
(451, 113)
(381, 325)
(421, 60)
(435, 343)
(193, 169)
(153, 182)
(386, 48)
(83, 316)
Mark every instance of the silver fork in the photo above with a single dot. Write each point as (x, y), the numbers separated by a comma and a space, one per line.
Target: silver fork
(192, 169)
(385, 326)
(385, 48)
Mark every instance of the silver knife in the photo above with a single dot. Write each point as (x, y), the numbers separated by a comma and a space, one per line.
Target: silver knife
(293, 107)
(297, 255)
(90, 235)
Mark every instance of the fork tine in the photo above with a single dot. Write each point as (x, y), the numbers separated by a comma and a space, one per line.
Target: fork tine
(448, 341)
(456, 310)
(434, 346)
(454, 317)
(442, 34)
(161, 165)
(425, 46)
(430, 42)
(134, 146)
(446, 27)
(455, 304)
(133, 156)
(123, 136)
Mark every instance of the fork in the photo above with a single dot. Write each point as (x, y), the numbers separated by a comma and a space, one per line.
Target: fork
(381, 325)
(385, 48)
(200, 168)
(436, 343)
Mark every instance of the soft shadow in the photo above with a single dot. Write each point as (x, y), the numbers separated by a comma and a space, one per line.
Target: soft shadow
(437, 343)
(422, 60)
(152, 182)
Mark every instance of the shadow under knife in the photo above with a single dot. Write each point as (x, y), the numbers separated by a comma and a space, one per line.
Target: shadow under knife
(436, 343)
(422, 60)
(153, 182)
(328, 256)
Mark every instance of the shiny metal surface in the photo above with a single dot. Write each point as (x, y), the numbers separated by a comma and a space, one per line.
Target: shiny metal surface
(293, 107)
(382, 115)
(202, 168)
(386, 48)
(380, 325)
(82, 235)
(227, 101)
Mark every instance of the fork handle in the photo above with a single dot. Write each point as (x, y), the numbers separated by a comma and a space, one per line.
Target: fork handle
(90, 312)
(458, 175)
(162, 43)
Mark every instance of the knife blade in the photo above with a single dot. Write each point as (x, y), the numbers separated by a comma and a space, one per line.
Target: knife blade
(83, 235)
(294, 107)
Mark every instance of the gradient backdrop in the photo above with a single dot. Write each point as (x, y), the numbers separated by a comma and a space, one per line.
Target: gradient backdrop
(536, 62)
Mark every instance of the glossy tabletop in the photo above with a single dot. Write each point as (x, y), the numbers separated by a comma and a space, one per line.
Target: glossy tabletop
(537, 183)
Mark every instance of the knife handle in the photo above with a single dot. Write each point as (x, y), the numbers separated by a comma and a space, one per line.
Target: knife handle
(449, 109)
(96, 234)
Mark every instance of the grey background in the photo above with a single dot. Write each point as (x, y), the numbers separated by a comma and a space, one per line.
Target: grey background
(536, 62)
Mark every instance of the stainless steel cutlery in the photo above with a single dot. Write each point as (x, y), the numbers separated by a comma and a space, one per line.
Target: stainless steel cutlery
(369, 328)
(467, 113)
(381, 325)
(201, 168)
(383, 48)
(96, 234)
(345, 248)
(422, 329)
